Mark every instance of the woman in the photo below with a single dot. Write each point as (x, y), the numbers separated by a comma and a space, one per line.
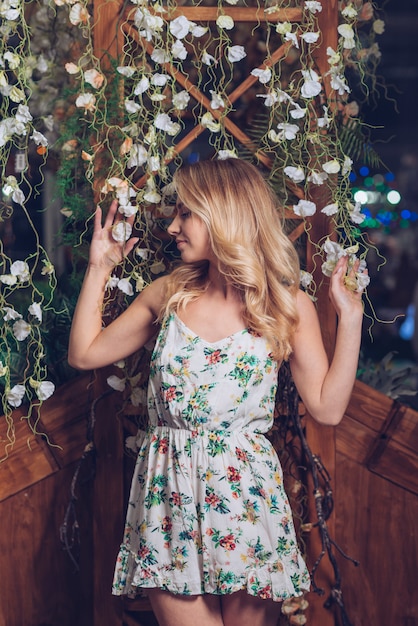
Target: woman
(209, 532)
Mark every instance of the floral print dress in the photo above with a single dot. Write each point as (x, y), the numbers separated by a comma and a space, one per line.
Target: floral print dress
(207, 511)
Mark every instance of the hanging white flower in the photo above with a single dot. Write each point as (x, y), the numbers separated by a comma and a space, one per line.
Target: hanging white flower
(289, 130)
(313, 6)
(94, 78)
(35, 310)
(160, 56)
(21, 270)
(207, 58)
(149, 25)
(23, 114)
(324, 122)
(178, 50)
(235, 53)
(152, 196)
(111, 283)
(198, 31)
(334, 58)
(181, 100)
(126, 70)
(225, 21)
(330, 209)
(121, 231)
(304, 208)
(305, 278)
(295, 173)
(362, 280)
(39, 139)
(128, 209)
(310, 37)
(297, 113)
(164, 122)
(15, 395)
(378, 27)
(354, 211)
(139, 284)
(311, 87)
(44, 389)
(16, 94)
(8, 279)
(263, 76)
(293, 38)
(179, 27)
(79, 15)
(216, 102)
(227, 154)
(349, 11)
(317, 178)
(131, 106)
(154, 163)
(86, 101)
(331, 167)
(11, 314)
(208, 121)
(21, 330)
(347, 33)
(159, 80)
(125, 286)
(137, 155)
(143, 253)
(346, 168)
(116, 383)
(283, 28)
(339, 83)
(3, 369)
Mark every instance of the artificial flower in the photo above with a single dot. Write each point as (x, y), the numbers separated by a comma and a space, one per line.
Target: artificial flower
(178, 50)
(198, 31)
(347, 33)
(216, 102)
(48, 269)
(263, 76)
(289, 131)
(338, 82)
(207, 58)
(305, 278)
(181, 100)
(349, 11)
(154, 163)
(121, 231)
(304, 208)
(310, 37)
(379, 27)
(35, 310)
(225, 21)
(11, 314)
(311, 87)
(354, 212)
(293, 38)
(331, 167)
(131, 106)
(15, 395)
(317, 178)
(79, 15)
(125, 286)
(141, 86)
(160, 56)
(39, 138)
(43, 389)
(283, 28)
(138, 155)
(164, 122)
(8, 279)
(94, 78)
(23, 114)
(159, 80)
(3, 369)
(330, 209)
(126, 70)
(116, 383)
(208, 121)
(227, 154)
(72, 68)
(346, 168)
(86, 101)
(179, 27)
(20, 269)
(21, 330)
(313, 6)
(235, 53)
(297, 113)
(16, 94)
(149, 25)
(295, 173)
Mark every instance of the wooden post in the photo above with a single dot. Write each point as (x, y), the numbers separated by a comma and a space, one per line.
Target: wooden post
(321, 439)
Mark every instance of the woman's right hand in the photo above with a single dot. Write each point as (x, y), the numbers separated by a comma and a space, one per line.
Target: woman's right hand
(105, 251)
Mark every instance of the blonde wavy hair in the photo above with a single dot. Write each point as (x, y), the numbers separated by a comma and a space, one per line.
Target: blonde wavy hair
(253, 252)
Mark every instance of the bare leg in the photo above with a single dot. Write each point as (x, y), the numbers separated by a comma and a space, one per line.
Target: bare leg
(241, 609)
(177, 610)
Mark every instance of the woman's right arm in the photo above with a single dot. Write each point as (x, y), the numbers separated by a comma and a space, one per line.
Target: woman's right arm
(91, 346)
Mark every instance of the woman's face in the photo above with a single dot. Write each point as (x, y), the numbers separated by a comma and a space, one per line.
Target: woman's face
(191, 235)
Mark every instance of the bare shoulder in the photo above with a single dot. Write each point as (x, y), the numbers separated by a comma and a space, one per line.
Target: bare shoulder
(306, 308)
(153, 296)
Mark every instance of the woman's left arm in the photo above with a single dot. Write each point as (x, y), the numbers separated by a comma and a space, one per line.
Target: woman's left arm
(325, 388)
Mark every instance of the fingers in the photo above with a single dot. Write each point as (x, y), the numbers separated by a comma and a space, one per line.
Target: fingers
(110, 217)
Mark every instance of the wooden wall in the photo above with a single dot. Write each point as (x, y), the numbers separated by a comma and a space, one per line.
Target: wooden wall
(376, 513)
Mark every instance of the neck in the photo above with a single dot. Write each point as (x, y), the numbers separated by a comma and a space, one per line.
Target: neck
(219, 284)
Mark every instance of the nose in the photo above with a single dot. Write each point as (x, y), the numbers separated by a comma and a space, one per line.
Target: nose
(174, 227)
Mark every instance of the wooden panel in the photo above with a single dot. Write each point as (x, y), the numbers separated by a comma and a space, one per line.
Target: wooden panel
(376, 524)
(33, 458)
